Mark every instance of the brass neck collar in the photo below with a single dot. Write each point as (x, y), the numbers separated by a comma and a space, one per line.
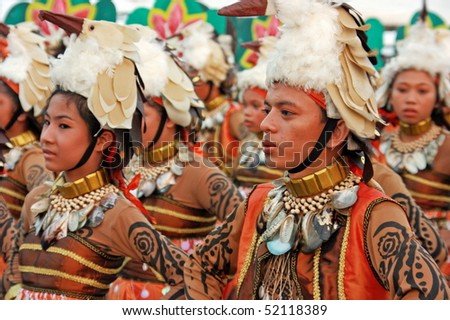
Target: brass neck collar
(158, 155)
(91, 182)
(215, 103)
(416, 128)
(23, 139)
(318, 182)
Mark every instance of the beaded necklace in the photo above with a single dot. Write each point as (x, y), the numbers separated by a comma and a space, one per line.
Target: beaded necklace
(160, 175)
(415, 155)
(71, 206)
(292, 222)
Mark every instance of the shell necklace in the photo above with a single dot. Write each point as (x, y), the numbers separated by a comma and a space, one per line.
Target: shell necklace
(301, 215)
(71, 206)
(413, 156)
(306, 221)
(159, 177)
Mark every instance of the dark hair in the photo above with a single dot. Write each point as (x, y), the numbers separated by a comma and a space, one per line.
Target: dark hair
(32, 122)
(228, 86)
(4, 88)
(437, 114)
(82, 107)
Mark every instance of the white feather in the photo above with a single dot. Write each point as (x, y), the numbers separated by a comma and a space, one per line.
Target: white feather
(423, 49)
(254, 77)
(96, 60)
(15, 66)
(308, 50)
(195, 46)
(153, 66)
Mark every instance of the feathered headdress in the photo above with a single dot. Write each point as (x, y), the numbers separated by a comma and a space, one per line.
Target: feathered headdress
(163, 78)
(107, 74)
(212, 57)
(423, 49)
(322, 47)
(25, 66)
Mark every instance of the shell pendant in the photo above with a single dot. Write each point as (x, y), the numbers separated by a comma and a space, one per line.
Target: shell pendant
(284, 240)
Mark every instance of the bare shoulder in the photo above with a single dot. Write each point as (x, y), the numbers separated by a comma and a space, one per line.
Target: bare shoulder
(388, 211)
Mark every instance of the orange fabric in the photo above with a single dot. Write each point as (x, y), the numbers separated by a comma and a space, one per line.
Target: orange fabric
(378, 155)
(438, 214)
(226, 138)
(4, 52)
(259, 91)
(158, 101)
(446, 270)
(255, 206)
(357, 268)
(127, 289)
(2, 266)
(318, 98)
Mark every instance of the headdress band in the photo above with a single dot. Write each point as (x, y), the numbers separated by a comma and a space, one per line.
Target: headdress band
(259, 91)
(318, 98)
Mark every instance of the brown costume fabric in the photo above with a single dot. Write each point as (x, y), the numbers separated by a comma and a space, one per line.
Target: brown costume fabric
(28, 173)
(124, 232)
(185, 213)
(430, 189)
(75, 278)
(386, 231)
(422, 226)
(8, 229)
(427, 190)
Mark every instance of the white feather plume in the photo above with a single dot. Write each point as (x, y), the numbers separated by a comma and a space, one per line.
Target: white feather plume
(153, 66)
(254, 77)
(195, 46)
(96, 60)
(423, 49)
(28, 65)
(315, 42)
(16, 65)
(319, 49)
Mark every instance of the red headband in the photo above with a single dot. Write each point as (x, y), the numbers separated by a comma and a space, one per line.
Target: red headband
(318, 98)
(259, 91)
(158, 101)
(14, 86)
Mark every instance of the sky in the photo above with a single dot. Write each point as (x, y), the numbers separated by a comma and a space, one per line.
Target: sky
(390, 12)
